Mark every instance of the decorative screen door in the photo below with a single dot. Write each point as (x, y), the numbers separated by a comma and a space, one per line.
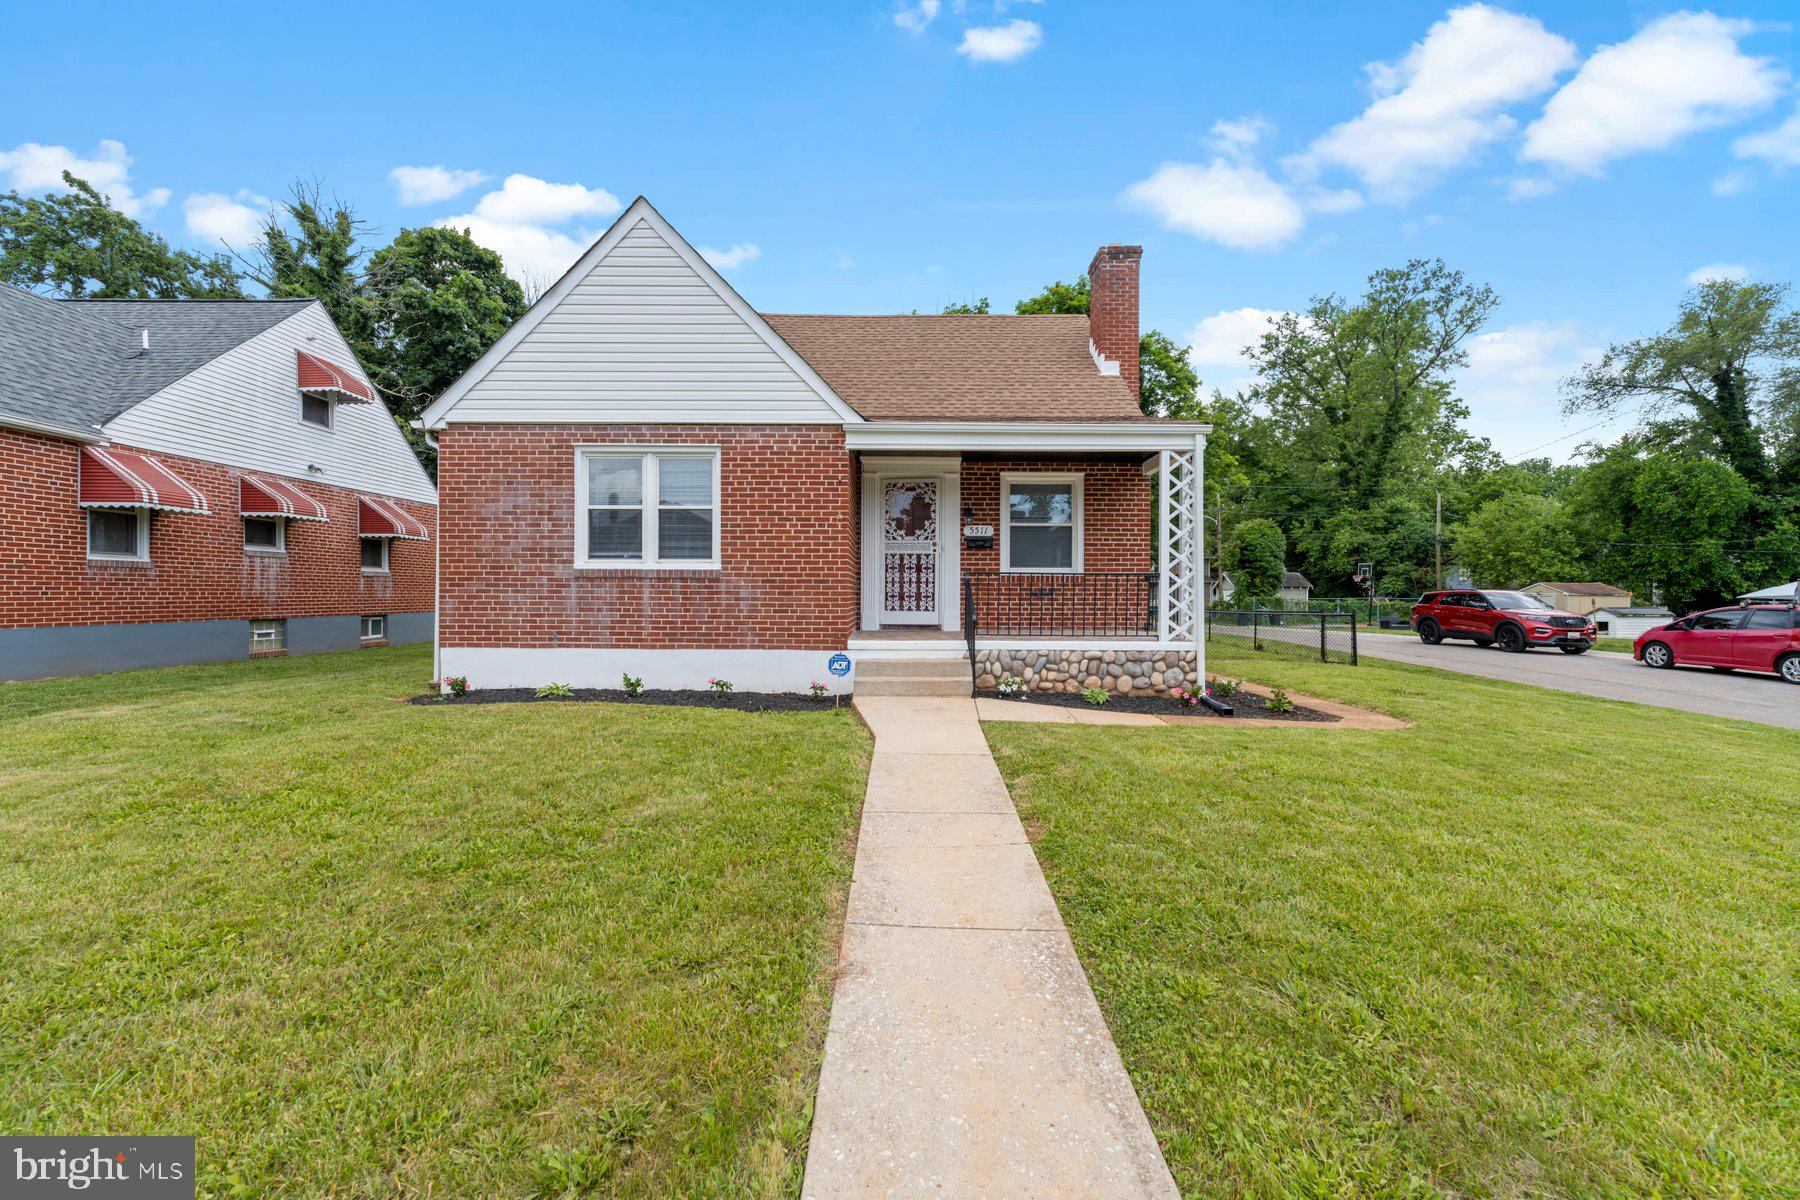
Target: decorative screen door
(909, 551)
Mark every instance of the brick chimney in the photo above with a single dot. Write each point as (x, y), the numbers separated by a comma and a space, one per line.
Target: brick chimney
(1113, 308)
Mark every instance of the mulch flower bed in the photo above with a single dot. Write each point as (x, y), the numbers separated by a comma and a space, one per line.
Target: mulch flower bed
(1244, 704)
(734, 701)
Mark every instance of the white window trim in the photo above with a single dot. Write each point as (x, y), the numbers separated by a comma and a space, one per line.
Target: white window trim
(330, 410)
(280, 624)
(1077, 502)
(387, 556)
(143, 536)
(280, 546)
(374, 637)
(651, 506)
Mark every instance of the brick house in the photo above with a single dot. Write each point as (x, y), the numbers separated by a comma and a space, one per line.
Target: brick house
(645, 475)
(191, 481)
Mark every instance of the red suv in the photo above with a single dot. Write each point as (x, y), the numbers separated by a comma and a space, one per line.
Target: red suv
(1513, 621)
(1757, 637)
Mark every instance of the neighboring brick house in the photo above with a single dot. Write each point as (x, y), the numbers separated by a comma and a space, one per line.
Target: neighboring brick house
(647, 476)
(198, 481)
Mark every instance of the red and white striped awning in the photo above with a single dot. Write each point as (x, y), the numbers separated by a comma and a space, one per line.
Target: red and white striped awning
(376, 517)
(126, 479)
(262, 496)
(322, 375)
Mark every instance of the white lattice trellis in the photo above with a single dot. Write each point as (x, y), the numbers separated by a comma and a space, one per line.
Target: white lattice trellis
(1178, 547)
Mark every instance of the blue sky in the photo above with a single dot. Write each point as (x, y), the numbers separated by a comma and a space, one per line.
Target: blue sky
(1584, 159)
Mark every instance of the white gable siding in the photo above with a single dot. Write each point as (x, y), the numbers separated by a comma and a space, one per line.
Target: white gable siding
(243, 409)
(643, 337)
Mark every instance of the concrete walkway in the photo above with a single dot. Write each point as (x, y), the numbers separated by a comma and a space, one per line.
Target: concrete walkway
(966, 1058)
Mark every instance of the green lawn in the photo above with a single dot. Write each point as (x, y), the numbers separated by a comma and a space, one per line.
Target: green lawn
(365, 949)
(1537, 945)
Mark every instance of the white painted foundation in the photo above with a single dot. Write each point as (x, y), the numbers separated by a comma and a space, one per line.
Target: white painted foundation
(590, 667)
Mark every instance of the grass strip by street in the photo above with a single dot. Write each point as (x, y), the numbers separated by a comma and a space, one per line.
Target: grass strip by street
(1538, 944)
(364, 948)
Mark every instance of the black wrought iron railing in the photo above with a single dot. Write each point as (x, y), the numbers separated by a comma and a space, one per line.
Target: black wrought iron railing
(1091, 604)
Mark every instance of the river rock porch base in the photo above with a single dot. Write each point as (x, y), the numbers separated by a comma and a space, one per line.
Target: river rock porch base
(1127, 672)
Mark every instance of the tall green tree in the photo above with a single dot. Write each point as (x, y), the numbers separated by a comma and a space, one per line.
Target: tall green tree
(1515, 539)
(434, 302)
(76, 245)
(309, 250)
(1729, 367)
(964, 308)
(1256, 556)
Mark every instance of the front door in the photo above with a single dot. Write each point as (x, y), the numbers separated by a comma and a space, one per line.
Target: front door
(909, 551)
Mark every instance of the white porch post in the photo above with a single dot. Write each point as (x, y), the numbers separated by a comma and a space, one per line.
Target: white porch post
(1198, 524)
(1165, 556)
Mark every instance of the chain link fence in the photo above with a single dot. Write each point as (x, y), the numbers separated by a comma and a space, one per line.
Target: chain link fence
(1294, 635)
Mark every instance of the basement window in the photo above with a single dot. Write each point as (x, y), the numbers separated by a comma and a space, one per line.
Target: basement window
(268, 637)
(374, 629)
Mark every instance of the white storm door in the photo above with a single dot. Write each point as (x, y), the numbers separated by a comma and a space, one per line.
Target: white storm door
(909, 551)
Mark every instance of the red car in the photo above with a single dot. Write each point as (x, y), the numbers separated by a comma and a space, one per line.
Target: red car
(1512, 621)
(1754, 637)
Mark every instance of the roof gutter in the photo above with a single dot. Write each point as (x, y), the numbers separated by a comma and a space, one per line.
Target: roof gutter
(90, 435)
(1064, 436)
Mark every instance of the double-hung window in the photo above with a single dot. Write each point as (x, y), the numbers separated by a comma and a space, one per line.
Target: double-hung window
(647, 507)
(1040, 522)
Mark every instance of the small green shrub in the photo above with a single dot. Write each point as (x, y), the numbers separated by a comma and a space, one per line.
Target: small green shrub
(458, 685)
(1224, 688)
(632, 684)
(572, 1172)
(555, 691)
(1279, 702)
(721, 686)
(1010, 686)
(1095, 696)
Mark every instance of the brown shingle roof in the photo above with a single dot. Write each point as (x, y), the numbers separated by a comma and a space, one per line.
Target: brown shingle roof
(1586, 589)
(960, 368)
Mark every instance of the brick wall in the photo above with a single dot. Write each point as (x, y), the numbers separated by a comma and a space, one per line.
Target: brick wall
(198, 568)
(1118, 516)
(787, 578)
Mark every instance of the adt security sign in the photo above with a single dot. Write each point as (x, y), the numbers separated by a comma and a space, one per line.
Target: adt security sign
(839, 664)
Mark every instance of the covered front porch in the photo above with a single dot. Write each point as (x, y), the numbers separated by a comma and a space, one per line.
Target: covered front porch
(1063, 554)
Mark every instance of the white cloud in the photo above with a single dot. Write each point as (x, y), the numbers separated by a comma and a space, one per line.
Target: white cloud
(1732, 272)
(518, 221)
(1216, 345)
(236, 221)
(1001, 43)
(1733, 183)
(1233, 204)
(525, 200)
(31, 167)
(737, 256)
(1779, 146)
(1443, 102)
(1529, 188)
(1341, 200)
(1513, 380)
(915, 17)
(427, 185)
(1238, 137)
(1680, 74)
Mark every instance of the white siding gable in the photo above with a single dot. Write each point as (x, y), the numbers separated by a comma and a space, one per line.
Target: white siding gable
(243, 409)
(642, 330)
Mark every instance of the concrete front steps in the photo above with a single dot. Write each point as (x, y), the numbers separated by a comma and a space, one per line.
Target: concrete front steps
(914, 677)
